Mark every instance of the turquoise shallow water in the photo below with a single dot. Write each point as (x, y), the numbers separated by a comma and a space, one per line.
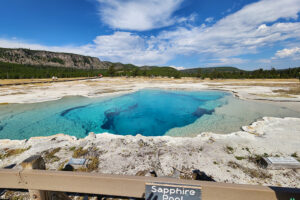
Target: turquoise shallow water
(146, 112)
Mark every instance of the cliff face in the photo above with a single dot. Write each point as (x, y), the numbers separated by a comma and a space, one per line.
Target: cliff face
(46, 58)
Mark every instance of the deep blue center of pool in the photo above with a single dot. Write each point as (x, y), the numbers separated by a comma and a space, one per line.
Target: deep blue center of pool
(146, 112)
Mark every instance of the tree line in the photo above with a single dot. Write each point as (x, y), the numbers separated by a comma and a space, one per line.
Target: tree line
(18, 71)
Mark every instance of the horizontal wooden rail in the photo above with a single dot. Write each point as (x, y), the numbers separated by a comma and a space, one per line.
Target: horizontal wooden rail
(132, 186)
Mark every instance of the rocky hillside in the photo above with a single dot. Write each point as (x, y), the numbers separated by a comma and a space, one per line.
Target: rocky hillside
(46, 58)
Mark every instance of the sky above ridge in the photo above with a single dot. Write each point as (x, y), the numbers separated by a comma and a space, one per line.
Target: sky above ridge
(248, 34)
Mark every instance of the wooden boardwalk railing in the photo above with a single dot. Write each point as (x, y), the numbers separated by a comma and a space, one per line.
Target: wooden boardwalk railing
(131, 186)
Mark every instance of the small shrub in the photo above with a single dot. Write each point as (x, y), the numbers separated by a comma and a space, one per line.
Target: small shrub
(257, 159)
(247, 149)
(93, 165)
(81, 169)
(72, 148)
(265, 155)
(79, 152)
(239, 157)
(253, 173)
(62, 165)
(295, 155)
(233, 165)
(14, 152)
(229, 149)
(51, 157)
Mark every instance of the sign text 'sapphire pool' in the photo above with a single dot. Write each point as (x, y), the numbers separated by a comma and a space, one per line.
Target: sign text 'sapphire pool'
(167, 191)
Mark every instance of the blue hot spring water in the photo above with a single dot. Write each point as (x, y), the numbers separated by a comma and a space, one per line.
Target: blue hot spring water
(147, 112)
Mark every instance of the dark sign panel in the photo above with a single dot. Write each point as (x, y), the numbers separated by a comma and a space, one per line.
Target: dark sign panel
(170, 191)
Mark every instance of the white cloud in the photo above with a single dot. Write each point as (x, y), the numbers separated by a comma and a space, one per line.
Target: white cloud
(178, 68)
(209, 19)
(265, 61)
(239, 33)
(190, 18)
(15, 43)
(138, 15)
(245, 31)
(284, 53)
(128, 48)
(227, 61)
(123, 47)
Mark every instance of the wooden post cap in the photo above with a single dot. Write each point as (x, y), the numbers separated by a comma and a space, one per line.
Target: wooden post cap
(34, 162)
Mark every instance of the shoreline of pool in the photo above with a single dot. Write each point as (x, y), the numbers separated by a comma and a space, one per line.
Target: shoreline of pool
(212, 153)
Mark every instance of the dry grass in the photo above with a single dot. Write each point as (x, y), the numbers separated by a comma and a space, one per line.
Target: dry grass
(16, 195)
(79, 152)
(239, 157)
(295, 155)
(292, 91)
(13, 152)
(62, 165)
(259, 83)
(253, 173)
(17, 81)
(72, 148)
(91, 166)
(257, 159)
(273, 95)
(229, 150)
(106, 90)
(51, 157)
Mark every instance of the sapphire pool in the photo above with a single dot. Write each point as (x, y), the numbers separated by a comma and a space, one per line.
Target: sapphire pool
(148, 112)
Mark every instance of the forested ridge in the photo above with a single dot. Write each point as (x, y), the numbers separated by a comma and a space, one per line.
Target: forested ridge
(18, 71)
(26, 63)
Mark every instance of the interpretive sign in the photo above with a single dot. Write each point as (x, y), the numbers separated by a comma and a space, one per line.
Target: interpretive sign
(170, 191)
(76, 161)
(281, 162)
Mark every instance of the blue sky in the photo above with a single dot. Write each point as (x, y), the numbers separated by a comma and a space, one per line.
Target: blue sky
(181, 33)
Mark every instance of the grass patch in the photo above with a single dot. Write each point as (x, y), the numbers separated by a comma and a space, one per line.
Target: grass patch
(246, 149)
(79, 152)
(257, 159)
(292, 90)
(295, 155)
(253, 173)
(62, 165)
(229, 150)
(2, 156)
(13, 195)
(51, 157)
(72, 148)
(93, 165)
(13, 152)
(239, 157)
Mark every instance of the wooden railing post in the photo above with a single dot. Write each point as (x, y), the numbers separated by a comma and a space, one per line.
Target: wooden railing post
(36, 162)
